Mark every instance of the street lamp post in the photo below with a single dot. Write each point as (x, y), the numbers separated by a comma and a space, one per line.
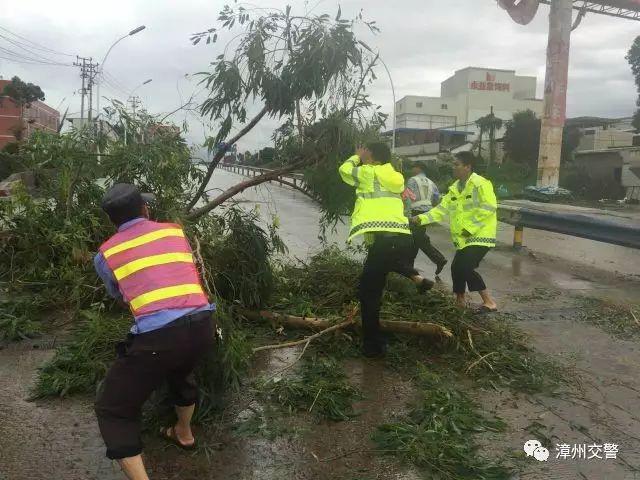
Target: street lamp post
(143, 83)
(101, 66)
(393, 92)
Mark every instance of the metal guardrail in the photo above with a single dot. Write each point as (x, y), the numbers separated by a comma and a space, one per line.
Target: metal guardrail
(295, 180)
(573, 224)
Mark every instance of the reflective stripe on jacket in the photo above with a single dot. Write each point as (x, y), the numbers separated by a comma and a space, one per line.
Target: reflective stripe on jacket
(379, 206)
(473, 209)
(153, 265)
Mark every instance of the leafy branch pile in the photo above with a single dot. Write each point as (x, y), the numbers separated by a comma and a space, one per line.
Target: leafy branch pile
(320, 388)
(493, 353)
(437, 433)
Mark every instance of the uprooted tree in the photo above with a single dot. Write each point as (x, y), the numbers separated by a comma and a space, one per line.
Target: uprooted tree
(309, 72)
(302, 70)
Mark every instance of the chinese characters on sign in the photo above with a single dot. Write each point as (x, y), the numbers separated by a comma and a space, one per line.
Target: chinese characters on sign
(564, 451)
(608, 451)
(490, 84)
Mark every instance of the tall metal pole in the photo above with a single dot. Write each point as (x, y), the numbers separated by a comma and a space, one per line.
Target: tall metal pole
(555, 92)
(393, 91)
(132, 32)
(84, 60)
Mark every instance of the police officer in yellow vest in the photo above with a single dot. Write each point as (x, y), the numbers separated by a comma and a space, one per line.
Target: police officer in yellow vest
(419, 197)
(471, 206)
(378, 214)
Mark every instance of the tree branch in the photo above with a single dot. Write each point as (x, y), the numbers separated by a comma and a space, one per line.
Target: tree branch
(189, 102)
(240, 187)
(362, 79)
(218, 156)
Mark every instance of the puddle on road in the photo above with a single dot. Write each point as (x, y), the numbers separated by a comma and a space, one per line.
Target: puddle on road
(571, 282)
(55, 439)
(341, 448)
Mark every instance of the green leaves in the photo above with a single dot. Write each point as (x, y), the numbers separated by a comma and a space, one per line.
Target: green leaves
(436, 433)
(278, 58)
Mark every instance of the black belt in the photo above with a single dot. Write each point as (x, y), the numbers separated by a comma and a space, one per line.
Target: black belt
(388, 234)
(187, 320)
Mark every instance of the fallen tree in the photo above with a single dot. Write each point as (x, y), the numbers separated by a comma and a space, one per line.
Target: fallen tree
(311, 323)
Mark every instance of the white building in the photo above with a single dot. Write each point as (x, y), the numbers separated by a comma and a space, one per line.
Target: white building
(466, 96)
(600, 133)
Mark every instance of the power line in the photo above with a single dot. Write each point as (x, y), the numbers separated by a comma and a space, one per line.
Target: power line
(22, 57)
(26, 62)
(30, 52)
(114, 81)
(35, 45)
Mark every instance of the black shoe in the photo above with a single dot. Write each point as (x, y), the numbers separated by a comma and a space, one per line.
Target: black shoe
(374, 353)
(440, 266)
(425, 285)
(378, 351)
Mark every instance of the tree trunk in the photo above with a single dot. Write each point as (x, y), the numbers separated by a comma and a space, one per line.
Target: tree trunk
(412, 328)
(220, 153)
(240, 187)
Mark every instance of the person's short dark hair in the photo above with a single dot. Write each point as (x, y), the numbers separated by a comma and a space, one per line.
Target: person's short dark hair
(123, 202)
(421, 165)
(467, 159)
(380, 152)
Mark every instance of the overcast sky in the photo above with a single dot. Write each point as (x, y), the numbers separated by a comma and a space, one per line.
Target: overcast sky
(422, 42)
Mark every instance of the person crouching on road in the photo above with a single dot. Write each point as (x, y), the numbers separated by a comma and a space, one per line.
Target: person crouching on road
(420, 196)
(378, 214)
(150, 267)
(471, 205)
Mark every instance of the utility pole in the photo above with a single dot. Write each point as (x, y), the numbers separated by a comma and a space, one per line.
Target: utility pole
(93, 70)
(135, 103)
(555, 93)
(83, 63)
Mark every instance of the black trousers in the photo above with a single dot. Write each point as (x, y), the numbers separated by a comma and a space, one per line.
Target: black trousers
(388, 253)
(144, 363)
(463, 269)
(422, 242)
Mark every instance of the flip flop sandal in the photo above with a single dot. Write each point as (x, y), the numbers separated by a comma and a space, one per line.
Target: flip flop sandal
(484, 310)
(169, 434)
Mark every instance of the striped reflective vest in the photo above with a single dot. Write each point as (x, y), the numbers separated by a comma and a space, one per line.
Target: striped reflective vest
(423, 189)
(153, 265)
(474, 210)
(379, 206)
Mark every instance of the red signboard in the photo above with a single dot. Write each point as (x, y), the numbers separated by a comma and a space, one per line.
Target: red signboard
(490, 84)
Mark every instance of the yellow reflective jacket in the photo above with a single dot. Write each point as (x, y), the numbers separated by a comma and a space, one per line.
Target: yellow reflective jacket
(473, 209)
(379, 206)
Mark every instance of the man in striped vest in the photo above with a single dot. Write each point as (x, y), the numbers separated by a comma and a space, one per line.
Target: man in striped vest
(149, 266)
(419, 197)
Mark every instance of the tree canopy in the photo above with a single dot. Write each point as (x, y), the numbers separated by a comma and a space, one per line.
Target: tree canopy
(295, 69)
(522, 138)
(24, 94)
(633, 57)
